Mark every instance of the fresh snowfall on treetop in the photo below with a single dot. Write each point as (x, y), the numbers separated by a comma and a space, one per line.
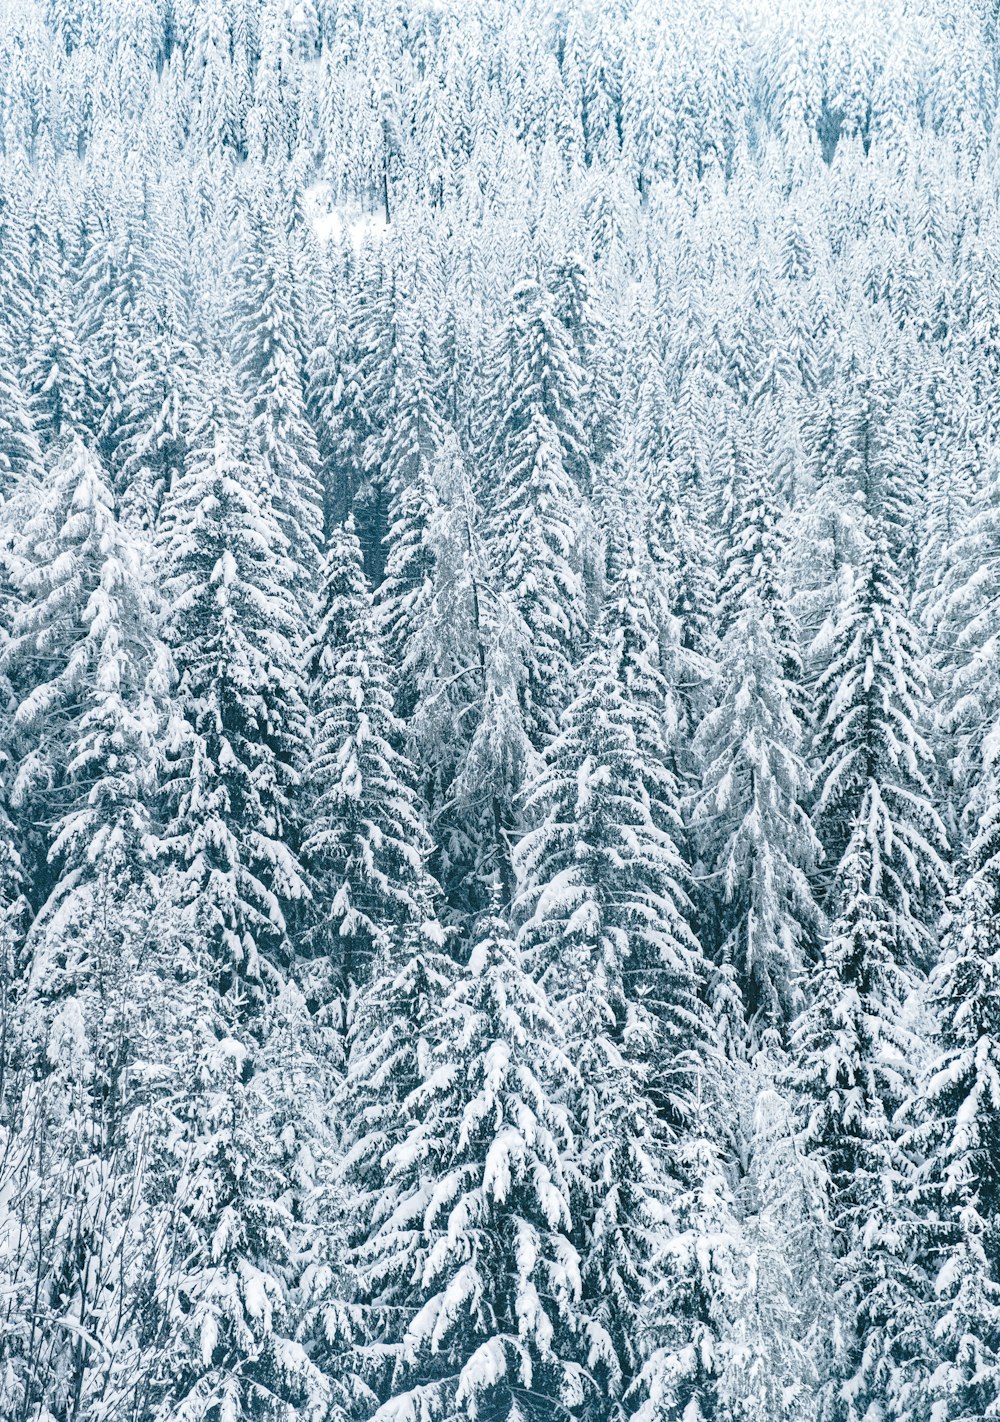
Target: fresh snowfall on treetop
(499, 711)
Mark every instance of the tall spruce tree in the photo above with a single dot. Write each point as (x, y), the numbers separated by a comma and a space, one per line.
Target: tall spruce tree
(89, 676)
(236, 633)
(749, 815)
(20, 455)
(233, 1218)
(852, 1071)
(603, 905)
(956, 1132)
(268, 347)
(474, 1256)
(876, 766)
(534, 394)
(367, 846)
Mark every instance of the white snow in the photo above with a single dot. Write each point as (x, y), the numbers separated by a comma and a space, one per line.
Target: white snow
(332, 221)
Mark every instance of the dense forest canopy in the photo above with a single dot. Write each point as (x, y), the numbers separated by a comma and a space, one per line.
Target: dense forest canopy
(499, 711)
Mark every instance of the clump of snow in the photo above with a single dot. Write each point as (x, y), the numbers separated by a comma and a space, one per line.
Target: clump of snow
(332, 221)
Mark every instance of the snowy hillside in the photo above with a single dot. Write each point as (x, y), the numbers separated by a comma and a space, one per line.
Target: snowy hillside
(499, 711)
